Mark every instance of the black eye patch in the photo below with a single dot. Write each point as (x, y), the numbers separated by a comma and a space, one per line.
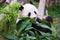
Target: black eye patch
(29, 14)
(35, 12)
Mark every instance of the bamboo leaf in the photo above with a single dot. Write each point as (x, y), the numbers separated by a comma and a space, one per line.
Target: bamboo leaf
(10, 36)
(23, 25)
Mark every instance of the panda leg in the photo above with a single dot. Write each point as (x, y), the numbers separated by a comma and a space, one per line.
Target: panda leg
(36, 31)
(19, 22)
(38, 20)
(49, 20)
(39, 28)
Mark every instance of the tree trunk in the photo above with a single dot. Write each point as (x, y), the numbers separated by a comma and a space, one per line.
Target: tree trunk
(41, 9)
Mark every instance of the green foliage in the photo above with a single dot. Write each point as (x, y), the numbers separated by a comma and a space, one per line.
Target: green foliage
(10, 36)
(36, 4)
(54, 10)
(2, 6)
(10, 16)
(10, 31)
(24, 28)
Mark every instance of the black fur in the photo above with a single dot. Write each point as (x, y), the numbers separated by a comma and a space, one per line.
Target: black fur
(48, 24)
(39, 28)
(19, 22)
(21, 8)
(38, 20)
(35, 12)
(29, 14)
(31, 2)
(49, 19)
(36, 31)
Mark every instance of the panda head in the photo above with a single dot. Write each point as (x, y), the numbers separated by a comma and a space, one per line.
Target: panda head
(28, 10)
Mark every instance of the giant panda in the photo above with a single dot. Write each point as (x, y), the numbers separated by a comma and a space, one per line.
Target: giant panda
(29, 10)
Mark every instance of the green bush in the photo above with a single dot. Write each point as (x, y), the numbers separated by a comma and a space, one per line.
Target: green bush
(10, 31)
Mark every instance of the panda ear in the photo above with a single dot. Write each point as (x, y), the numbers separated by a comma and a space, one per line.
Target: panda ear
(21, 8)
(31, 2)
